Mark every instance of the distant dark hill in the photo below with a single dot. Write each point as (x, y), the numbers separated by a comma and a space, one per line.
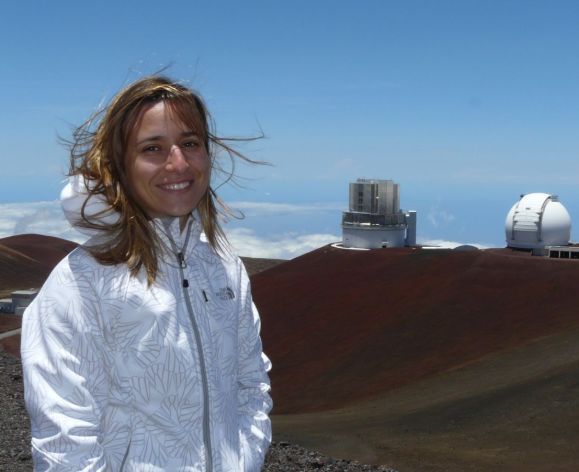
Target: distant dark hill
(343, 326)
(27, 259)
(253, 265)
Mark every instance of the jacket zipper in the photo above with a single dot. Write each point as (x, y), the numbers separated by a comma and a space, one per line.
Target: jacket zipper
(204, 380)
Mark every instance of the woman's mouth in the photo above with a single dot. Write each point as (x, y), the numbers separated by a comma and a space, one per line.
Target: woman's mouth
(176, 185)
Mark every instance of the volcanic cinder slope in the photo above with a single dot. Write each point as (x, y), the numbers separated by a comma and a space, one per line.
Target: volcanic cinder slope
(25, 262)
(27, 259)
(428, 360)
(423, 360)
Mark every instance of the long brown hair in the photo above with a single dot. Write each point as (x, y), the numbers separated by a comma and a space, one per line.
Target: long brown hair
(97, 153)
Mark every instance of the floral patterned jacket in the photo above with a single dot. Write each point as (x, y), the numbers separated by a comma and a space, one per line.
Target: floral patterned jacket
(171, 377)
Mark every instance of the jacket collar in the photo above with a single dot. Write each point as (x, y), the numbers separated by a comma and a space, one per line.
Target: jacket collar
(189, 242)
(174, 242)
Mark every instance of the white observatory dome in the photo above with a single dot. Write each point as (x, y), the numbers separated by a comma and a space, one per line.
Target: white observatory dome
(538, 220)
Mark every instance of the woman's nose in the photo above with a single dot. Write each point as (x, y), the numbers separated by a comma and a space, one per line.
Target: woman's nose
(176, 161)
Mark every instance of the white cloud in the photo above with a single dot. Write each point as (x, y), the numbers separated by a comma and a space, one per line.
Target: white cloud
(36, 217)
(445, 244)
(439, 217)
(47, 218)
(286, 246)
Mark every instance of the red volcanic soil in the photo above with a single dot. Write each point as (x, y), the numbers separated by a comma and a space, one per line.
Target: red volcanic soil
(9, 322)
(343, 326)
(428, 360)
(11, 345)
(27, 259)
(25, 262)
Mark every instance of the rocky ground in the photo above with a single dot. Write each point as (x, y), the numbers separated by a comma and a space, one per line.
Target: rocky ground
(15, 435)
(15, 430)
(284, 457)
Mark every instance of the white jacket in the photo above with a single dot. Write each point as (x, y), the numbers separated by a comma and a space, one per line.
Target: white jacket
(121, 376)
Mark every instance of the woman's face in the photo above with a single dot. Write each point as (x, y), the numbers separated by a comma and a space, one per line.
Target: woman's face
(167, 164)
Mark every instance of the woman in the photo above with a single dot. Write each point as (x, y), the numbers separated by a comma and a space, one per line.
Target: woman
(142, 352)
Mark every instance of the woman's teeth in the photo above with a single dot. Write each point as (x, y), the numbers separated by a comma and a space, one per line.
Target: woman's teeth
(178, 186)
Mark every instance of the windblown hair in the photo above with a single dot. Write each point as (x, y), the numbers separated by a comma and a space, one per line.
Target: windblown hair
(97, 153)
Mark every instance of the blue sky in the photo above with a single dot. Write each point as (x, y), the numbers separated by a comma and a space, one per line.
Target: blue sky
(467, 104)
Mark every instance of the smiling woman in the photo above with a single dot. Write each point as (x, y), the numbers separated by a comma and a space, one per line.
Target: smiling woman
(168, 166)
(142, 350)
(125, 151)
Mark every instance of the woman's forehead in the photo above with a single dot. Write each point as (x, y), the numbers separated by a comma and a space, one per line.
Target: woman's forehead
(166, 116)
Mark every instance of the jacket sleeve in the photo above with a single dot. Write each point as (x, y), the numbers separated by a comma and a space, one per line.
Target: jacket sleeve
(64, 378)
(254, 401)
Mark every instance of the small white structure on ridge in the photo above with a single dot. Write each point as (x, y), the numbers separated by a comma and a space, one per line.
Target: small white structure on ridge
(538, 220)
(374, 219)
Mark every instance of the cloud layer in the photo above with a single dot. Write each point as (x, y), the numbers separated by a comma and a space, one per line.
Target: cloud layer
(37, 217)
(445, 244)
(47, 218)
(285, 246)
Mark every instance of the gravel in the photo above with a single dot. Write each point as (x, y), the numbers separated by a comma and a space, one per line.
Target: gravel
(14, 426)
(15, 435)
(285, 457)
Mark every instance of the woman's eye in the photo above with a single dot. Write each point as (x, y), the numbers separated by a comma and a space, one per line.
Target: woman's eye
(191, 144)
(151, 149)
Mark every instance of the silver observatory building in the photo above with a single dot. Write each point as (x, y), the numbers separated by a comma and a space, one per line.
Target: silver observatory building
(374, 219)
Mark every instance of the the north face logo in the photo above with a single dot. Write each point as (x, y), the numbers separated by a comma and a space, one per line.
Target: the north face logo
(225, 293)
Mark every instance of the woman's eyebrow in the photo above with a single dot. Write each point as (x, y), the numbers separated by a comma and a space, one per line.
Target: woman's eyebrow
(149, 138)
(184, 134)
